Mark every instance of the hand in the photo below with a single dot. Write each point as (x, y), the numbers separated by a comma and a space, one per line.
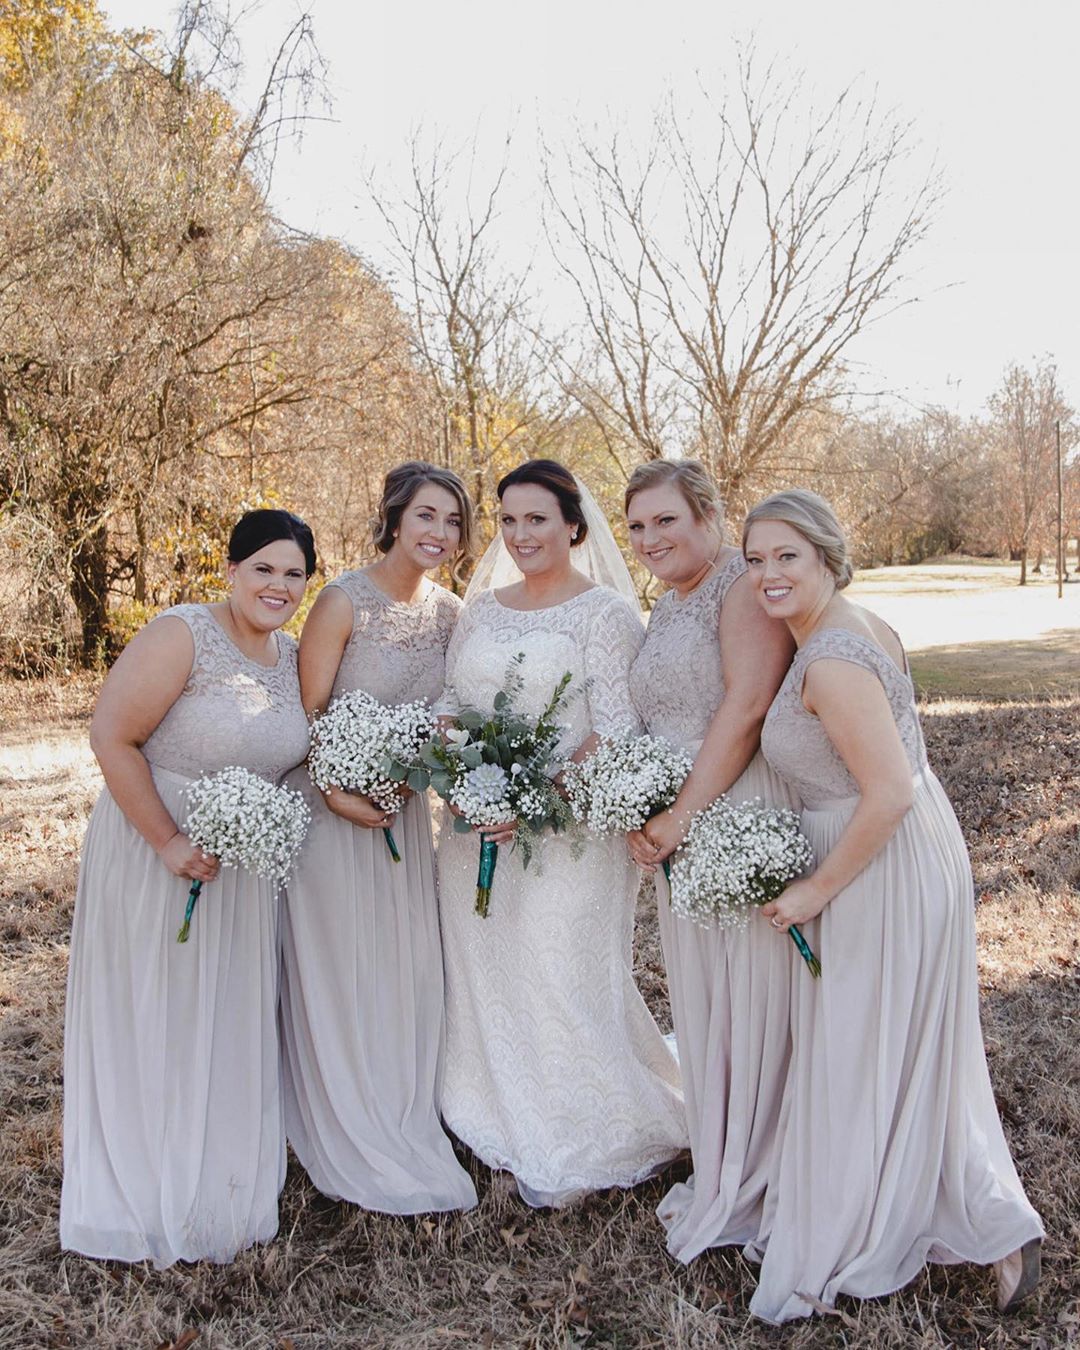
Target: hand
(358, 809)
(665, 832)
(498, 834)
(800, 902)
(187, 860)
(641, 850)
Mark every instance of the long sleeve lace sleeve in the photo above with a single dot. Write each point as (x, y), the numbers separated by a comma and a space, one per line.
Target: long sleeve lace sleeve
(613, 640)
(450, 702)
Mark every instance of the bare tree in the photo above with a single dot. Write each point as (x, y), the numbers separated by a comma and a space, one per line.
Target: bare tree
(723, 272)
(469, 313)
(1025, 409)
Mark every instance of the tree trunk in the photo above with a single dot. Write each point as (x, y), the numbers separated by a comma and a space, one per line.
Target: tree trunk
(89, 590)
(1023, 567)
(140, 555)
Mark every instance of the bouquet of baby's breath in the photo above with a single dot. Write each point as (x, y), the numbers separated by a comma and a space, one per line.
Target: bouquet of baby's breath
(362, 745)
(243, 821)
(497, 766)
(624, 781)
(736, 857)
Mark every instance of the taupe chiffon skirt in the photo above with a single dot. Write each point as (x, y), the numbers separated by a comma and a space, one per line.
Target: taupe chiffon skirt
(730, 992)
(174, 1147)
(362, 1016)
(891, 1152)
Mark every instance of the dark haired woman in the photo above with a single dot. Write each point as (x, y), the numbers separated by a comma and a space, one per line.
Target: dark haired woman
(555, 1070)
(362, 995)
(173, 1140)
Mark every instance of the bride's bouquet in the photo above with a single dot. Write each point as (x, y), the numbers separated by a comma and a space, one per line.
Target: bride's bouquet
(624, 781)
(244, 821)
(364, 746)
(736, 857)
(497, 766)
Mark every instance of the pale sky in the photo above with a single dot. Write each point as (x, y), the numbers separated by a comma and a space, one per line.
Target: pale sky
(991, 89)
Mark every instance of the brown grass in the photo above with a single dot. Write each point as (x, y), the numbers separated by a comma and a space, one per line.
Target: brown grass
(595, 1275)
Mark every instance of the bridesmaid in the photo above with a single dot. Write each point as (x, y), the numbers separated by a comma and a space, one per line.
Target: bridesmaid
(704, 679)
(173, 1142)
(891, 1153)
(362, 996)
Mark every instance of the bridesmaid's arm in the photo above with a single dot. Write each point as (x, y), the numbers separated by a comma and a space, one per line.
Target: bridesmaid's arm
(852, 706)
(142, 686)
(327, 630)
(755, 652)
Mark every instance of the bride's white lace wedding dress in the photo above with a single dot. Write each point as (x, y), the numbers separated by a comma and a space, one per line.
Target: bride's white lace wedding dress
(555, 1069)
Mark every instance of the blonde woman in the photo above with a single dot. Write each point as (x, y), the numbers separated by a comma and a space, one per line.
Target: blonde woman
(704, 679)
(892, 1153)
(362, 995)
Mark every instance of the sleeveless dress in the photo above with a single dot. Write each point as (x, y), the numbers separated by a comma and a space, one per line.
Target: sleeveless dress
(174, 1147)
(362, 993)
(891, 1149)
(555, 1069)
(729, 988)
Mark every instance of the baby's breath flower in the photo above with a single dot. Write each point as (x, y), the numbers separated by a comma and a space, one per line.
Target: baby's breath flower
(736, 857)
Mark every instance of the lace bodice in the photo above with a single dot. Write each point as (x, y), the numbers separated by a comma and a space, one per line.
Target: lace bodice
(595, 636)
(794, 741)
(397, 651)
(677, 680)
(232, 709)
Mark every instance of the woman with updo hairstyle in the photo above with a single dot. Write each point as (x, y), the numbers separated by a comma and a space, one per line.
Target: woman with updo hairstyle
(891, 1153)
(362, 990)
(710, 666)
(555, 1070)
(173, 1143)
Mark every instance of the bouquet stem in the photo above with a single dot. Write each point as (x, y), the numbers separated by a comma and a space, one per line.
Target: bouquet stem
(388, 835)
(813, 964)
(666, 865)
(489, 856)
(193, 895)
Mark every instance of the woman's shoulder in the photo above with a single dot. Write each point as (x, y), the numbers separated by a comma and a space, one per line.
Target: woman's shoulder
(445, 601)
(858, 644)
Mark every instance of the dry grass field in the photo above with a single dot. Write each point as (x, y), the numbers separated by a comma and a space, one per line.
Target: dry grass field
(597, 1274)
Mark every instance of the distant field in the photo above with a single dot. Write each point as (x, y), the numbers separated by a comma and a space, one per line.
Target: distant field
(971, 630)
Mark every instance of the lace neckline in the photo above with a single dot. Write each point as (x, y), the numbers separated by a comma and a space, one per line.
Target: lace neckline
(719, 570)
(389, 600)
(872, 643)
(544, 609)
(251, 660)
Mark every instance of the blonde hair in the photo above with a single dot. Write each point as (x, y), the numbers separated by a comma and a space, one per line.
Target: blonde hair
(815, 520)
(691, 478)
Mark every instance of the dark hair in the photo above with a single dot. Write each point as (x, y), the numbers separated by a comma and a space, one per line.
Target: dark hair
(402, 484)
(255, 529)
(559, 481)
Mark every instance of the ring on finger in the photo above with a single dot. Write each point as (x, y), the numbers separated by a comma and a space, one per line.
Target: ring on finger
(776, 923)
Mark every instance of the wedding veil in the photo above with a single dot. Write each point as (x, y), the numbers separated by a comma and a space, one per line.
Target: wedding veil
(598, 557)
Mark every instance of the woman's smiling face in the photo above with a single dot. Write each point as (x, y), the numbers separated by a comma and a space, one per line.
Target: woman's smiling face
(789, 574)
(267, 586)
(666, 535)
(534, 530)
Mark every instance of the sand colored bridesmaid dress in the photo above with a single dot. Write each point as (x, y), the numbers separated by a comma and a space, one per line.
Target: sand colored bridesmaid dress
(891, 1150)
(729, 988)
(174, 1147)
(362, 993)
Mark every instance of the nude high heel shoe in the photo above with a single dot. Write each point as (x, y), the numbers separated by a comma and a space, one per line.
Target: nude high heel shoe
(1018, 1274)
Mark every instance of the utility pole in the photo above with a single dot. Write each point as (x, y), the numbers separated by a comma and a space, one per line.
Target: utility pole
(1060, 521)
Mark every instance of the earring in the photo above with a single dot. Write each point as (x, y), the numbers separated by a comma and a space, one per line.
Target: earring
(573, 537)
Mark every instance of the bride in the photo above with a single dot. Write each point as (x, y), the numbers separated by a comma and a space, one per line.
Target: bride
(555, 1069)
